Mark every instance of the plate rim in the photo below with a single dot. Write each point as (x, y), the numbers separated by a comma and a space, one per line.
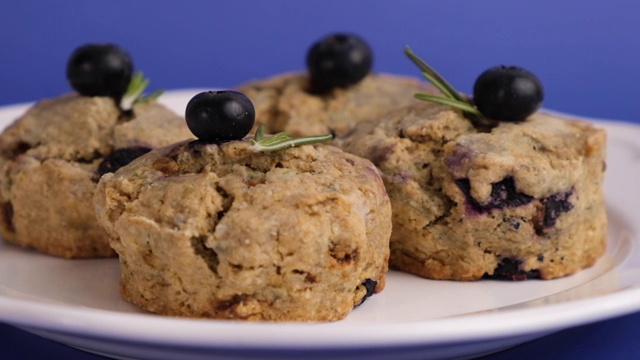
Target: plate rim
(224, 333)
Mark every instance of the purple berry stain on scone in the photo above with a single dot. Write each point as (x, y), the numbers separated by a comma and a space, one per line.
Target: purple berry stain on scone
(120, 158)
(380, 153)
(509, 269)
(503, 195)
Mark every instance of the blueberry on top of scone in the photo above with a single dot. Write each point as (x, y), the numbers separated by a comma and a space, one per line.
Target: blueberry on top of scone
(337, 90)
(107, 70)
(52, 156)
(219, 228)
(104, 69)
(501, 93)
(338, 60)
(227, 115)
(100, 70)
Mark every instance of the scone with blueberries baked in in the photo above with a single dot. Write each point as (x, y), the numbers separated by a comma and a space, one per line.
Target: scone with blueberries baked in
(490, 187)
(52, 157)
(258, 229)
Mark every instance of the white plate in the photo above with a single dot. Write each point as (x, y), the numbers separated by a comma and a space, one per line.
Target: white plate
(76, 302)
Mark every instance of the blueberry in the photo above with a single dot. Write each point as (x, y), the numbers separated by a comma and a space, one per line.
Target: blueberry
(120, 158)
(370, 286)
(100, 70)
(507, 93)
(554, 206)
(218, 116)
(503, 195)
(509, 269)
(338, 60)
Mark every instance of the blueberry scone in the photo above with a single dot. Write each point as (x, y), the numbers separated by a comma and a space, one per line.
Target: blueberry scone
(336, 92)
(52, 157)
(221, 229)
(285, 103)
(517, 198)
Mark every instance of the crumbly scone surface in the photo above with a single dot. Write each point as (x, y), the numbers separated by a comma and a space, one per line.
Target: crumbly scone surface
(49, 159)
(284, 102)
(525, 198)
(226, 232)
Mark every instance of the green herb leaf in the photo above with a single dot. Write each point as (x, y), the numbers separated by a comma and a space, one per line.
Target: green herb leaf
(283, 140)
(259, 133)
(451, 97)
(460, 105)
(435, 83)
(134, 95)
(438, 80)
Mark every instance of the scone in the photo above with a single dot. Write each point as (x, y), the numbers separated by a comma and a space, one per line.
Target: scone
(225, 231)
(51, 159)
(287, 103)
(522, 200)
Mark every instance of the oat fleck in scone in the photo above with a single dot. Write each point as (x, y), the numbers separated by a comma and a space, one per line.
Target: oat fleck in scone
(223, 231)
(49, 161)
(285, 102)
(523, 200)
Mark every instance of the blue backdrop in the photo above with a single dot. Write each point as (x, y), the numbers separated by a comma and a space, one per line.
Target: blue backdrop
(585, 52)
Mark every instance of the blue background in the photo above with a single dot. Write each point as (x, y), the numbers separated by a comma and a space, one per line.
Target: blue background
(585, 52)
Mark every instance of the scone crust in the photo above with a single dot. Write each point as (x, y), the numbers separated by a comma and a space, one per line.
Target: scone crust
(48, 169)
(286, 103)
(468, 204)
(222, 231)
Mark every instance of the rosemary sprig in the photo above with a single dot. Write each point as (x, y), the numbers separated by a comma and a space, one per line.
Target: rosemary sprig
(134, 95)
(452, 97)
(283, 140)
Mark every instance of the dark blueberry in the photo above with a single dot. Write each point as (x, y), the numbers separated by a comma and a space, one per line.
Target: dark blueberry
(120, 158)
(100, 70)
(509, 269)
(370, 286)
(503, 195)
(554, 206)
(338, 60)
(218, 116)
(507, 93)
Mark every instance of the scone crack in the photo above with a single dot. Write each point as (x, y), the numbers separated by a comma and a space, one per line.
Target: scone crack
(210, 257)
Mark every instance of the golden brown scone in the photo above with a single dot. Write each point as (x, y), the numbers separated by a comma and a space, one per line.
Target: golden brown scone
(49, 161)
(284, 102)
(224, 231)
(522, 201)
